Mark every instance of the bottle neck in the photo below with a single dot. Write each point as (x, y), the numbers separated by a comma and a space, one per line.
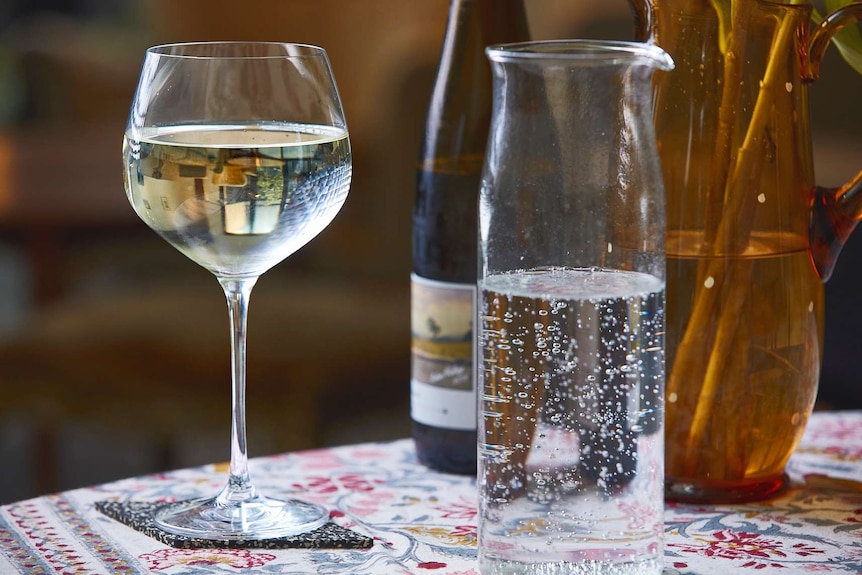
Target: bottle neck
(460, 109)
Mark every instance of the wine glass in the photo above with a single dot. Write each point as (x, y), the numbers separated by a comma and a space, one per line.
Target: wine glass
(237, 154)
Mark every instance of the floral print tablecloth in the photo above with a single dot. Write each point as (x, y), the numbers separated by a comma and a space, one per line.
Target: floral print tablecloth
(425, 523)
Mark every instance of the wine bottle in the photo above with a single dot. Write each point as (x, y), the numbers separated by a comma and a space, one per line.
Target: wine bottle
(443, 388)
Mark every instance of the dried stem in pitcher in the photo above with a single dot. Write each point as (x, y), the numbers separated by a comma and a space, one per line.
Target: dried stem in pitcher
(705, 354)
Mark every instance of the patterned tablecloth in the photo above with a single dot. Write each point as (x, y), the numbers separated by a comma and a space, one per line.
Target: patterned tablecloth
(425, 523)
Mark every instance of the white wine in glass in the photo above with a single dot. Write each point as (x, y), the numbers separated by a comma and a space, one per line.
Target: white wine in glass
(237, 154)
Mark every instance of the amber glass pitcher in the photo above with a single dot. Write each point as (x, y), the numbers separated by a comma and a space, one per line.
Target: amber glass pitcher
(750, 238)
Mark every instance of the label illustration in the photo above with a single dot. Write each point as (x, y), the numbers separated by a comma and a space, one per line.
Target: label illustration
(443, 390)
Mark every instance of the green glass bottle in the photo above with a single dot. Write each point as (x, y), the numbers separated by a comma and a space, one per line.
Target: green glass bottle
(443, 389)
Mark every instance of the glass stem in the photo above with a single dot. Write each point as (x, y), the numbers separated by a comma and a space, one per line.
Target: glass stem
(239, 487)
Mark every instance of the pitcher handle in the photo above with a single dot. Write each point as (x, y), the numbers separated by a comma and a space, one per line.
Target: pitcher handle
(835, 211)
(825, 31)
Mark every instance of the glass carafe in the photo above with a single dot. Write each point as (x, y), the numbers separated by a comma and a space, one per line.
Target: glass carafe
(750, 238)
(571, 312)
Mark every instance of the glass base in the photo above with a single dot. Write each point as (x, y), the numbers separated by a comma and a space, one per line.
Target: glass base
(255, 518)
(641, 566)
(711, 491)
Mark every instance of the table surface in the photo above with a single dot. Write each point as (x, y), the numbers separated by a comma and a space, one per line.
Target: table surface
(425, 522)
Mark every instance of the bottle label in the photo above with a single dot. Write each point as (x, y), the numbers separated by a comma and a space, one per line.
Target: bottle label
(442, 387)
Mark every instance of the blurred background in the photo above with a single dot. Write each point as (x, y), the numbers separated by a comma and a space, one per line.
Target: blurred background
(114, 353)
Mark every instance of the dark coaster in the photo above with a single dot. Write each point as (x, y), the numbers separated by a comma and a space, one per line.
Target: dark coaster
(139, 516)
